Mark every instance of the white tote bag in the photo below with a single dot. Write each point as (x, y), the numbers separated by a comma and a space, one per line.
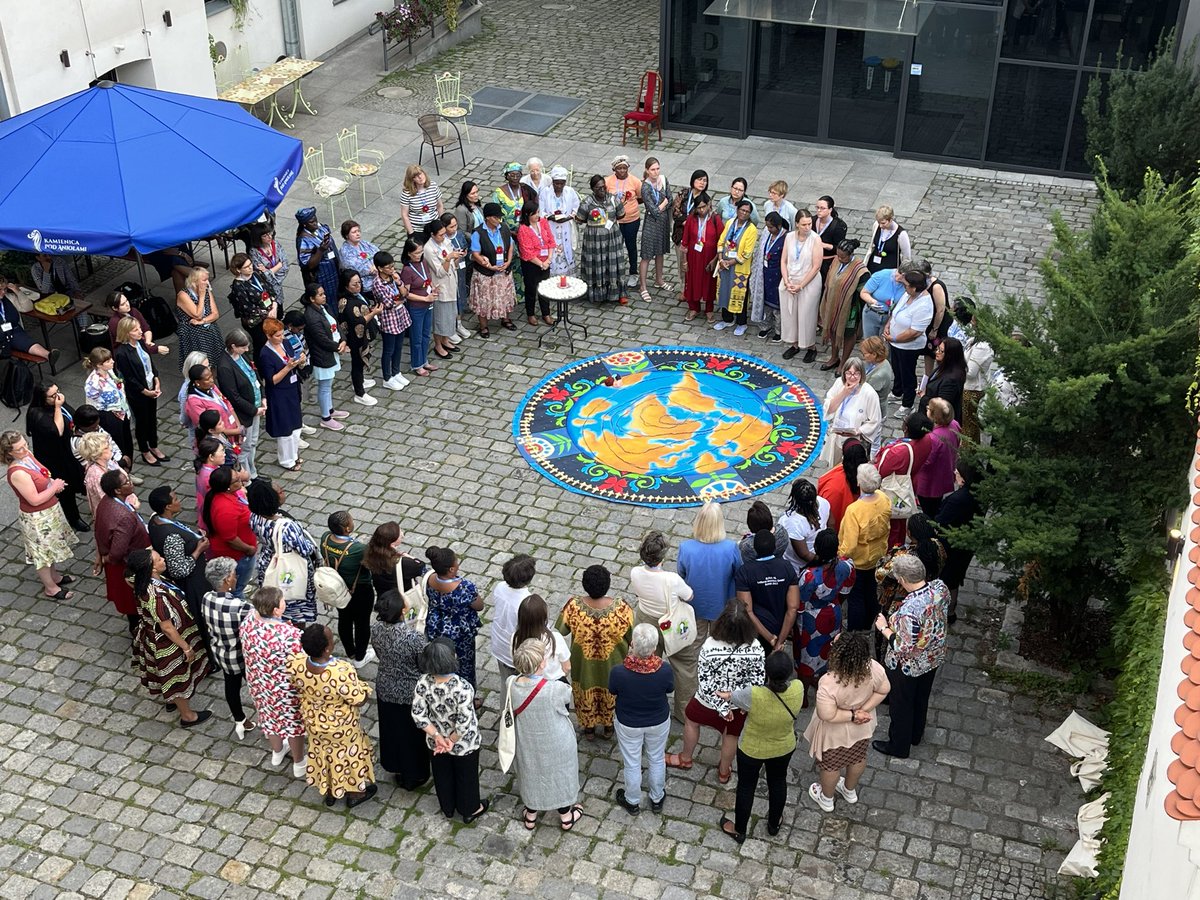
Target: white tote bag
(506, 743)
(899, 488)
(416, 600)
(287, 570)
(677, 625)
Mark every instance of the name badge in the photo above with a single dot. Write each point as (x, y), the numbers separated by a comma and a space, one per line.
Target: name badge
(543, 253)
(7, 326)
(699, 247)
(731, 254)
(292, 378)
(331, 255)
(609, 224)
(462, 263)
(877, 259)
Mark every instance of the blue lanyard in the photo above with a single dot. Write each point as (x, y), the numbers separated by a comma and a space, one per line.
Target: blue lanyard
(164, 583)
(180, 526)
(321, 665)
(735, 234)
(770, 244)
(131, 509)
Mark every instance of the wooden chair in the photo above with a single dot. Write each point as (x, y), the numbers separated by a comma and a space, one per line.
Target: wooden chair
(324, 185)
(649, 110)
(353, 162)
(451, 102)
(439, 143)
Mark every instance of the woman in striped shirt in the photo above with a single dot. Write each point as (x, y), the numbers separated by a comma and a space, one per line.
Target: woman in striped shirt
(420, 201)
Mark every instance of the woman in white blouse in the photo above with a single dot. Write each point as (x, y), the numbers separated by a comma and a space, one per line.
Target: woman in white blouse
(800, 289)
(851, 410)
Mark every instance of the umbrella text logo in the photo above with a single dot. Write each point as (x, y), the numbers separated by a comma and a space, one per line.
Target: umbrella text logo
(35, 238)
(281, 184)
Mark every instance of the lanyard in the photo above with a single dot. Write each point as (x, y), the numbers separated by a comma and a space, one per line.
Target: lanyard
(735, 234)
(321, 665)
(162, 582)
(770, 244)
(421, 271)
(497, 239)
(880, 240)
(821, 228)
(215, 398)
(132, 510)
(654, 191)
(702, 228)
(691, 201)
(193, 532)
(33, 466)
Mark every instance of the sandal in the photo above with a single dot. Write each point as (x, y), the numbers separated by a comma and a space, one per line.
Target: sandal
(66, 579)
(484, 333)
(724, 777)
(530, 818)
(676, 761)
(295, 468)
(568, 819)
(645, 295)
(691, 315)
(664, 286)
(61, 594)
(508, 323)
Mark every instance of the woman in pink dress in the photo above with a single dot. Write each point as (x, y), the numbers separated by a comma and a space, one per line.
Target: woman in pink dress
(267, 642)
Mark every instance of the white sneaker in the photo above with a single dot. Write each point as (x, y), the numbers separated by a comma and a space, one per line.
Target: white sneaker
(366, 400)
(902, 412)
(368, 657)
(240, 728)
(368, 383)
(308, 429)
(721, 326)
(826, 803)
(631, 281)
(393, 385)
(463, 331)
(277, 756)
(848, 795)
(401, 380)
(739, 331)
(453, 339)
(299, 768)
(302, 443)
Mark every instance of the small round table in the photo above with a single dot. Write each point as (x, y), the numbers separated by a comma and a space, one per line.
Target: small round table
(552, 288)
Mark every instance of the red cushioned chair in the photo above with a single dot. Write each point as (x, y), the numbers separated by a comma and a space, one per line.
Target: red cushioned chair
(649, 110)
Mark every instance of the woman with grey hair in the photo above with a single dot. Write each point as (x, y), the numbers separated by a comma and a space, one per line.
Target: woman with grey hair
(643, 718)
(238, 381)
(863, 539)
(851, 410)
(398, 645)
(916, 646)
(443, 707)
(535, 175)
(656, 590)
(223, 614)
(547, 755)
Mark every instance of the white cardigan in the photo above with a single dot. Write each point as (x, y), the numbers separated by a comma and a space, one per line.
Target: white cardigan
(862, 414)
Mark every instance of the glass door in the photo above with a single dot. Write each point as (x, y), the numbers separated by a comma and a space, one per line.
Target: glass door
(865, 86)
(787, 80)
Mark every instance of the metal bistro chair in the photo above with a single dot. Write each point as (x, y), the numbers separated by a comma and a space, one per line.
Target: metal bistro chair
(451, 102)
(324, 185)
(353, 162)
(431, 134)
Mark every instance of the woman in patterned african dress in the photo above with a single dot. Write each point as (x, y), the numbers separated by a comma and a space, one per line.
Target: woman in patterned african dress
(512, 196)
(822, 587)
(454, 605)
(267, 644)
(339, 751)
(167, 650)
(604, 259)
(600, 627)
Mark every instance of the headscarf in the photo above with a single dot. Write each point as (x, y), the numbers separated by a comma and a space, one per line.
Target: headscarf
(558, 173)
(306, 214)
(512, 167)
(621, 160)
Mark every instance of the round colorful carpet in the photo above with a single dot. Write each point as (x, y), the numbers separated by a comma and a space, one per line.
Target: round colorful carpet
(669, 426)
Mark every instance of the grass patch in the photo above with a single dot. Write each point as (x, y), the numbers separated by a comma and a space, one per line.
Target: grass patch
(1046, 688)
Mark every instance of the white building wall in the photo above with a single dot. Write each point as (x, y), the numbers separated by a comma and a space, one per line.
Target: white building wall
(33, 34)
(324, 27)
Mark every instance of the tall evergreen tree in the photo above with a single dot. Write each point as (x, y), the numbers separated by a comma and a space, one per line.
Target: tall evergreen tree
(1096, 449)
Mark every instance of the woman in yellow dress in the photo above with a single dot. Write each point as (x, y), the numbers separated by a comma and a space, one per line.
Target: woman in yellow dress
(736, 253)
(339, 751)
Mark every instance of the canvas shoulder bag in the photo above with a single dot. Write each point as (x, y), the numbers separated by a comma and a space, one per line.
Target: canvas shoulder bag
(287, 570)
(677, 625)
(899, 488)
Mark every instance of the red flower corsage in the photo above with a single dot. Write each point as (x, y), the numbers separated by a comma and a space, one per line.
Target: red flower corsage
(444, 254)
(664, 626)
(362, 254)
(425, 208)
(597, 215)
(428, 282)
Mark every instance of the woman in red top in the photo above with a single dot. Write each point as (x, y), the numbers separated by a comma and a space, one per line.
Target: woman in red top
(840, 484)
(48, 538)
(701, 232)
(894, 460)
(227, 518)
(535, 243)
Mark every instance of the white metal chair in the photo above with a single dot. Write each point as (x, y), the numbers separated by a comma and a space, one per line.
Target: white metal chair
(354, 163)
(451, 102)
(324, 185)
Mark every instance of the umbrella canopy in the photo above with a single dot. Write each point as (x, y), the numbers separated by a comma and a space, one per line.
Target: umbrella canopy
(117, 167)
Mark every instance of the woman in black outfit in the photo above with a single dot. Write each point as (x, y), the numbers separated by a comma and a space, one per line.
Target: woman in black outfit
(830, 229)
(324, 344)
(252, 296)
(355, 312)
(50, 423)
(958, 508)
(182, 549)
(949, 376)
(382, 555)
(142, 388)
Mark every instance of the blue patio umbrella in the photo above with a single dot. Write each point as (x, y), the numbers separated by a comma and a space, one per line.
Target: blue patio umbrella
(118, 167)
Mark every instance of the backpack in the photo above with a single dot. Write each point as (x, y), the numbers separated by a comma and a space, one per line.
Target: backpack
(16, 390)
(157, 315)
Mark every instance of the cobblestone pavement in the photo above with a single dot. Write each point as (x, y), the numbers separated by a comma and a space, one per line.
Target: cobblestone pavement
(102, 796)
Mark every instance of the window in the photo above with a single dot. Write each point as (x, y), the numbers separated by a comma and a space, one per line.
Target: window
(1133, 29)
(706, 68)
(1030, 112)
(212, 7)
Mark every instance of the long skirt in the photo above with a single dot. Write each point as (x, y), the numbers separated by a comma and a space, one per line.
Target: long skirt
(339, 762)
(445, 318)
(604, 262)
(118, 590)
(494, 297)
(402, 747)
(48, 537)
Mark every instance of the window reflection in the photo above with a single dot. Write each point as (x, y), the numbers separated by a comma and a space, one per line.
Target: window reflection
(1131, 28)
(1030, 112)
(787, 86)
(1049, 30)
(707, 65)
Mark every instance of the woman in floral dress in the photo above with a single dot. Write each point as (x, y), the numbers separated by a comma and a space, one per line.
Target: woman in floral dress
(168, 651)
(822, 587)
(339, 751)
(511, 196)
(454, 605)
(267, 644)
(600, 627)
(105, 390)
